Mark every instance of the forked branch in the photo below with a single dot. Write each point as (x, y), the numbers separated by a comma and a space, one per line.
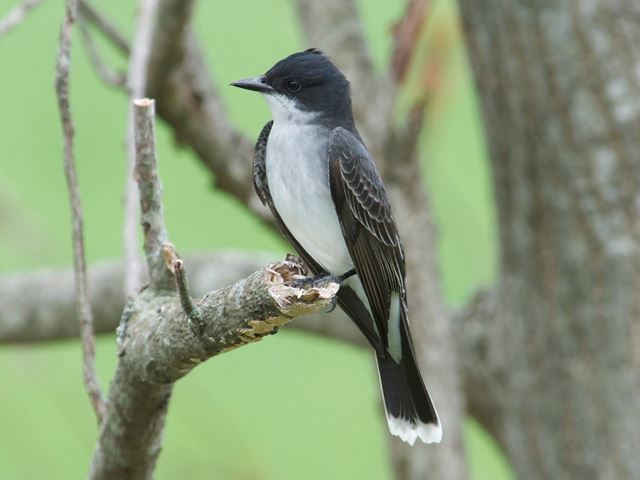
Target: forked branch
(163, 336)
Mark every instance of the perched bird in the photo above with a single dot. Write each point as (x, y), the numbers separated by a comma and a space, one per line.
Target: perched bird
(314, 172)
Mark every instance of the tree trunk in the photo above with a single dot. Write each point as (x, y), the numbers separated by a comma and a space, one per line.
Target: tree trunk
(560, 97)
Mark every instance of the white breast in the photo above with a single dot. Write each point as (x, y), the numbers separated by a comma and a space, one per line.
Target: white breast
(298, 178)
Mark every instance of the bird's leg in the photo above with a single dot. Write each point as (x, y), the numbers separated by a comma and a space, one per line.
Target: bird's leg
(346, 275)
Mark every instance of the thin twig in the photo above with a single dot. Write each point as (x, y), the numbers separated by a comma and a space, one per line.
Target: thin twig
(105, 26)
(136, 84)
(189, 307)
(150, 193)
(106, 74)
(17, 16)
(84, 312)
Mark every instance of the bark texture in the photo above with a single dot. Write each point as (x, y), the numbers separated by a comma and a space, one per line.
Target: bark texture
(557, 341)
(159, 344)
(39, 306)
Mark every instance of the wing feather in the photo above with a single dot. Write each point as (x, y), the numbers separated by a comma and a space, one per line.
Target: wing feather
(367, 223)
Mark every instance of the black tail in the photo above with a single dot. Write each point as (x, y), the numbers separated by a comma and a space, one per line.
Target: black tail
(410, 412)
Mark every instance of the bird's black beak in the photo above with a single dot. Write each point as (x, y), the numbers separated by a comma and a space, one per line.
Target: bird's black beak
(257, 84)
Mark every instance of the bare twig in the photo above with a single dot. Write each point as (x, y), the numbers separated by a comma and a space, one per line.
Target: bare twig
(406, 33)
(141, 48)
(150, 193)
(176, 266)
(82, 296)
(105, 26)
(136, 84)
(17, 15)
(106, 74)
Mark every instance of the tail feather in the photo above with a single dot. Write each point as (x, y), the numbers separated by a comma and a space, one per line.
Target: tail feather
(410, 411)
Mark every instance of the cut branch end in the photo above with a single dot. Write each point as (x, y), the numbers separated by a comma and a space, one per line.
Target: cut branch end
(294, 300)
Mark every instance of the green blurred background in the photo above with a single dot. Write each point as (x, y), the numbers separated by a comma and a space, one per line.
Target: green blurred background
(291, 407)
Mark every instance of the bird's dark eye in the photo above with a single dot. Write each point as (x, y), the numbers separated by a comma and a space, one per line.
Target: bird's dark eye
(293, 85)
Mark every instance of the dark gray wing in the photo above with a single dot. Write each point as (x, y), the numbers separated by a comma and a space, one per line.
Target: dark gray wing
(367, 224)
(347, 298)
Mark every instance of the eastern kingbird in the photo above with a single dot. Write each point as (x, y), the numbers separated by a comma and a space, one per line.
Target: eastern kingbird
(313, 170)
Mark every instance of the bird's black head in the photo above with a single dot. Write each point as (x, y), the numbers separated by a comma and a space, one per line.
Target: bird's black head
(303, 86)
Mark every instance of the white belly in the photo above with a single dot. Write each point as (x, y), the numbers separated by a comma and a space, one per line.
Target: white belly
(298, 178)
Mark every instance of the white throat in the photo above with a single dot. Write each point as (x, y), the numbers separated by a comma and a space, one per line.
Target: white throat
(286, 111)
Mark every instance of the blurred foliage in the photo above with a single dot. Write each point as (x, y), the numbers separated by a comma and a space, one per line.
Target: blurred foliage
(288, 408)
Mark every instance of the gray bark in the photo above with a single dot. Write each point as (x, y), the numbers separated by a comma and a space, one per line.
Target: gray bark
(39, 306)
(159, 343)
(557, 341)
(17, 15)
(83, 310)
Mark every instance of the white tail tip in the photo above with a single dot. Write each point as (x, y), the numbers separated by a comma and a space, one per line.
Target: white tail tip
(409, 432)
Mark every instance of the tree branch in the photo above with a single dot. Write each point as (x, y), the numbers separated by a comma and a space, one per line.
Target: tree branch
(168, 39)
(136, 84)
(17, 16)
(150, 190)
(477, 328)
(161, 337)
(103, 25)
(176, 266)
(106, 74)
(83, 308)
(184, 89)
(39, 306)
(161, 345)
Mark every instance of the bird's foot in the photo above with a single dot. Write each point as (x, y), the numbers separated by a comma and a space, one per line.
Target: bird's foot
(321, 280)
